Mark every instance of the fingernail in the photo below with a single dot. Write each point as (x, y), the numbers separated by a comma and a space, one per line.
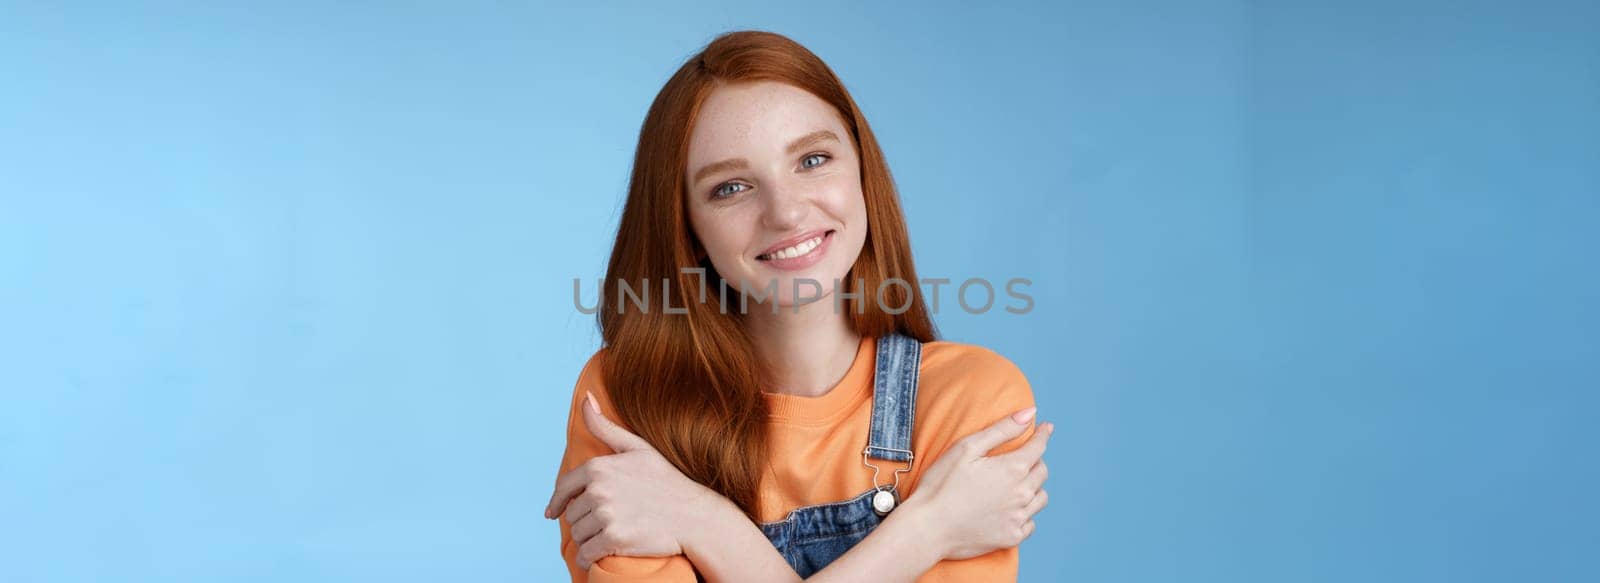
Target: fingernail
(590, 400)
(1024, 415)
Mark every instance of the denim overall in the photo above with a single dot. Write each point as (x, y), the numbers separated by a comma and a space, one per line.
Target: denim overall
(811, 537)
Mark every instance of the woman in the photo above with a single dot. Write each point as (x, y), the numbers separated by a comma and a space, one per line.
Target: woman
(782, 403)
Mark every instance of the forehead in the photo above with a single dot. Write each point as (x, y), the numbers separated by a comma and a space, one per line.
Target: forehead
(757, 119)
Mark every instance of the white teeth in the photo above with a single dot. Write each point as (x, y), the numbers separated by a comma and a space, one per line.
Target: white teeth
(799, 249)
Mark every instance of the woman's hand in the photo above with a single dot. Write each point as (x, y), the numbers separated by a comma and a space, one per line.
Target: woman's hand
(631, 503)
(982, 503)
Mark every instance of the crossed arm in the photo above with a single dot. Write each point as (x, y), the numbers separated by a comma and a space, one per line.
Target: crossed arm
(631, 516)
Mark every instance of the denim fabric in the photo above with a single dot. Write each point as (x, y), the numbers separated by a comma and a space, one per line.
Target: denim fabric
(811, 537)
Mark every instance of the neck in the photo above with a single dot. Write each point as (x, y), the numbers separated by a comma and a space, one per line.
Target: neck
(807, 352)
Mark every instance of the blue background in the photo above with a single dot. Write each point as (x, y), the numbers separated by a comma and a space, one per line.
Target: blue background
(285, 289)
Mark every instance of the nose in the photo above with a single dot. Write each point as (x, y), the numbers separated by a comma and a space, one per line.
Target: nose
(785, 208)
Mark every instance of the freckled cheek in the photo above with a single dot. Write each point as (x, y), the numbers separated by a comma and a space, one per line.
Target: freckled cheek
(843, 202)
(726, 236)
(832, 192)
(839, 192)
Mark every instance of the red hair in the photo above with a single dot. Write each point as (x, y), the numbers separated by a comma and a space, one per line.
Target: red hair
(691, 383)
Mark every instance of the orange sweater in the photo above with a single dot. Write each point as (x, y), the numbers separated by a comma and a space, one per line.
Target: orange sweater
(814, 449)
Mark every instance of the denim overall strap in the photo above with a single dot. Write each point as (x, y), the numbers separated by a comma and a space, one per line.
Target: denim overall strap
(812, 537)
(894, 398)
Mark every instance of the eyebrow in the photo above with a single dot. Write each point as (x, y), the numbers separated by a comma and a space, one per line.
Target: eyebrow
(795, 146)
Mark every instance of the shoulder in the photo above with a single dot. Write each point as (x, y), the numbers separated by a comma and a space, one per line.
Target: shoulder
(963, 388)
(581, 445)
(970, 373)
(592, 379)
(593, 370)
(945, 353)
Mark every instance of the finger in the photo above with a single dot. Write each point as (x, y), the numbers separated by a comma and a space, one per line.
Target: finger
(1031, 451)
(611, 434)
(1036, 476)
(1039, 501)
(579, 508)
(1000, 431)
(1027, 530)
(586, 528)
(597, 548)
(568, 485)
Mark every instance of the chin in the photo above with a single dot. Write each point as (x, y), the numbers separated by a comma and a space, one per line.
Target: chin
(786, 296)
(788, 299)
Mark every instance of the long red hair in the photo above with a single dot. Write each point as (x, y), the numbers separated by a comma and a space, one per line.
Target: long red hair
(691, 383)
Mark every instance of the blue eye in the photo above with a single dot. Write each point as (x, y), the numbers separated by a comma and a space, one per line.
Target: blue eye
(806, 162)
(725, 191)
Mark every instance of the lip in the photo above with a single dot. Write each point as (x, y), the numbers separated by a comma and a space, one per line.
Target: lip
(790, 242)
(803, 261)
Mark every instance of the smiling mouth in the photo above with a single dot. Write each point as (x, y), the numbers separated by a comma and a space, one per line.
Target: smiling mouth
(800, 249)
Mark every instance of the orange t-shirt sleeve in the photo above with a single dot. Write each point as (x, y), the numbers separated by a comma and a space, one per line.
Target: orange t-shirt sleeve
(581, 446)
(988, 389)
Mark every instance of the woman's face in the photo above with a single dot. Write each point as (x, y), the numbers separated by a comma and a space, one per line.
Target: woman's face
(775, 190)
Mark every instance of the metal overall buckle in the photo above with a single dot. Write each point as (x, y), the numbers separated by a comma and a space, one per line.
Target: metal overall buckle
(885, 500)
